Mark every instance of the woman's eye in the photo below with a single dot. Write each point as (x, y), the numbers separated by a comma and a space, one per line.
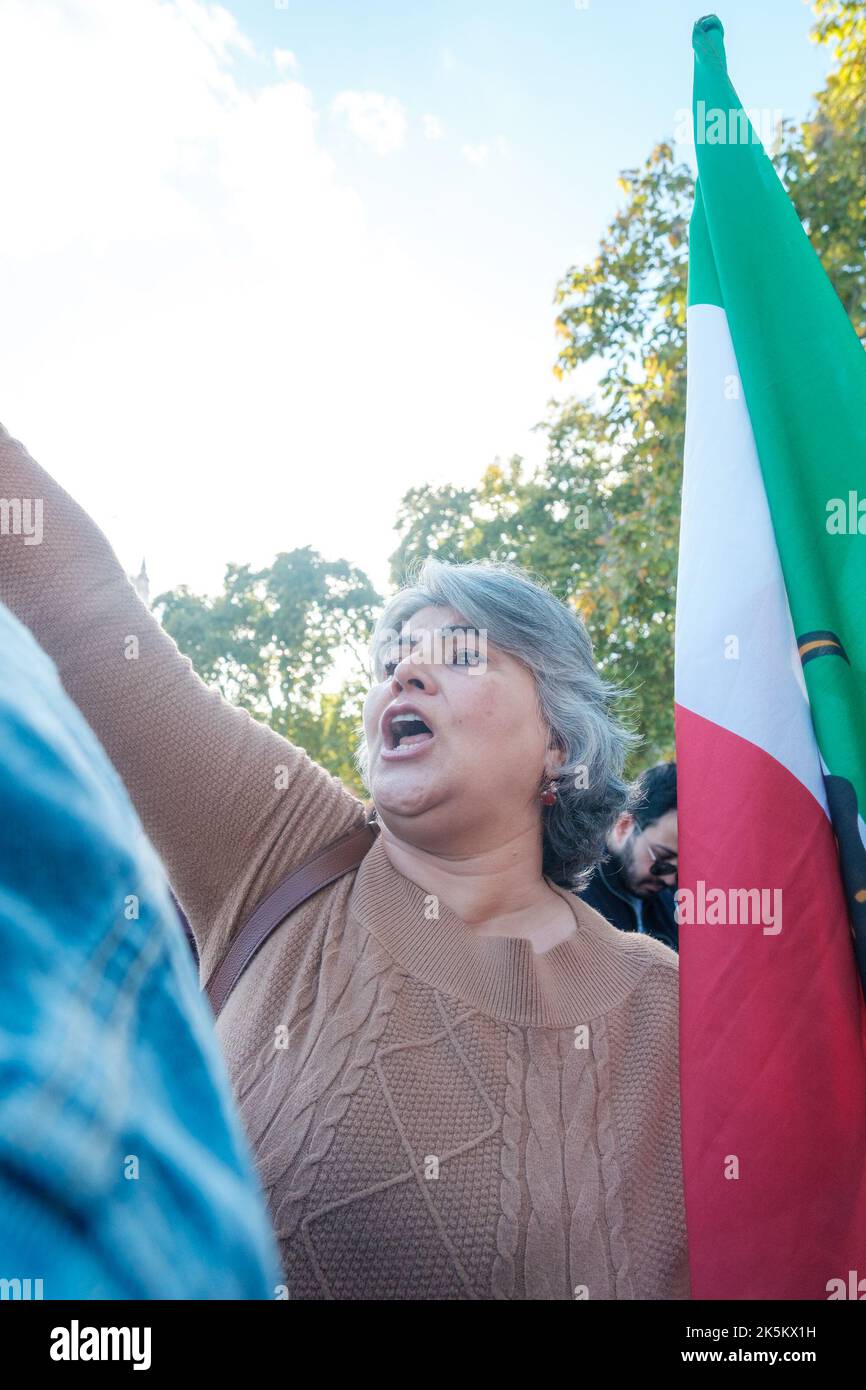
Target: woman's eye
(463, 656)
(390, 663)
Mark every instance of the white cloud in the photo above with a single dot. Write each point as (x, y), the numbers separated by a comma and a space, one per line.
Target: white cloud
(285, 60)
(475, 154)
(375, 120)
(215, 26)
(205, 334)
(433, 128)
(479, 154)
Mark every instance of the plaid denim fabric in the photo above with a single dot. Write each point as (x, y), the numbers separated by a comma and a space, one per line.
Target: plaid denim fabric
(124, 1172)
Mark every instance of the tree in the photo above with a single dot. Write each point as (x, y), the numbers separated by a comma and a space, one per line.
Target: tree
(628, 309)
(599, 521)
(271, 640)
(823, 162)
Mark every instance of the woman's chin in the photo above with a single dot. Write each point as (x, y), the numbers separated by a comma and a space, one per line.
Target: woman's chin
(402, 792)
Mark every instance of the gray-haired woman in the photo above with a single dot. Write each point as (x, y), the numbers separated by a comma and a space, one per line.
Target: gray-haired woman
(458, 1080)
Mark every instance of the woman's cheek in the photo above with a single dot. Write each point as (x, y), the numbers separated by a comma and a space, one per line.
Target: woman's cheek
(373, 706)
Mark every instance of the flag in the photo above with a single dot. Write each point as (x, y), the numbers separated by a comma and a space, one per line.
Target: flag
(771, 736)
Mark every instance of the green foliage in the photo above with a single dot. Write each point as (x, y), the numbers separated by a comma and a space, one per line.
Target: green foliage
(620, 456)
(598, 520)
(824, 162)
(627, 307)
(270, 640)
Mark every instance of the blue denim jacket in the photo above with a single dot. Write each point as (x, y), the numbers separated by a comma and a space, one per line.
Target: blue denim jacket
(123, 1169)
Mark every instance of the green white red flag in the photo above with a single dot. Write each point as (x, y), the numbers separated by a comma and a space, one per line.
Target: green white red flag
(771, 736)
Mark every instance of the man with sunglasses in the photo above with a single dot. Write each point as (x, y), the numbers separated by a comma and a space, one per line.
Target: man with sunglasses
(634, 886)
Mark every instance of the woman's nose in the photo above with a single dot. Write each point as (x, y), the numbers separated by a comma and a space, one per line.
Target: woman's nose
(412, 671)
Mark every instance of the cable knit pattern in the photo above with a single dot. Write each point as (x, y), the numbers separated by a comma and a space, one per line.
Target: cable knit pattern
(423, 1123)
(610, 1170)
(357, 1031)
(544, 1262)
(414, 1144)
(508, 1227)
(587, 1246)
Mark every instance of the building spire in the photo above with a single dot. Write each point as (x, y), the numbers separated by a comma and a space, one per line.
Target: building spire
(141, 584)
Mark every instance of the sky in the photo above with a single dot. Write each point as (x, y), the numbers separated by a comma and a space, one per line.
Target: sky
(264, 266)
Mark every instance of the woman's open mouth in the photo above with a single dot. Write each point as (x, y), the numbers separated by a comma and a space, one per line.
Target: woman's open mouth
(404, 736)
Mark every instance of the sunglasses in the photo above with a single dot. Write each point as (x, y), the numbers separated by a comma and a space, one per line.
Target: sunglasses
(659, 867)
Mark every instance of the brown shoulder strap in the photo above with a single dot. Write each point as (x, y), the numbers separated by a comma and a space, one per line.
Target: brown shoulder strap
(327, 865)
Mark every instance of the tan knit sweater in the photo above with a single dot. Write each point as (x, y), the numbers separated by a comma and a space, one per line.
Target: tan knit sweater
(435, 1114)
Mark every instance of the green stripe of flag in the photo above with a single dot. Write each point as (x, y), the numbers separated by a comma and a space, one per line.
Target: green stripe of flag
(803, 374)
(703, 280)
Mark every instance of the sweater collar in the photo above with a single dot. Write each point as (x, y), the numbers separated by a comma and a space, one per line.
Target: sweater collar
(580, 978)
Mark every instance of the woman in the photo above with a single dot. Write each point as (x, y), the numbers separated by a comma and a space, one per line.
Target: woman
(459, 1081)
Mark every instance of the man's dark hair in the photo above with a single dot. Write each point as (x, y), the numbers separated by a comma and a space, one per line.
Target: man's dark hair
(655, 793)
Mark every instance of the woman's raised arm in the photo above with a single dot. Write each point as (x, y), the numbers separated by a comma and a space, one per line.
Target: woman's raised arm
(230, 805)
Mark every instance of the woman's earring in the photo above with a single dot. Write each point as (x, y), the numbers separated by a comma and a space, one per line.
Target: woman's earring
(548, 796)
